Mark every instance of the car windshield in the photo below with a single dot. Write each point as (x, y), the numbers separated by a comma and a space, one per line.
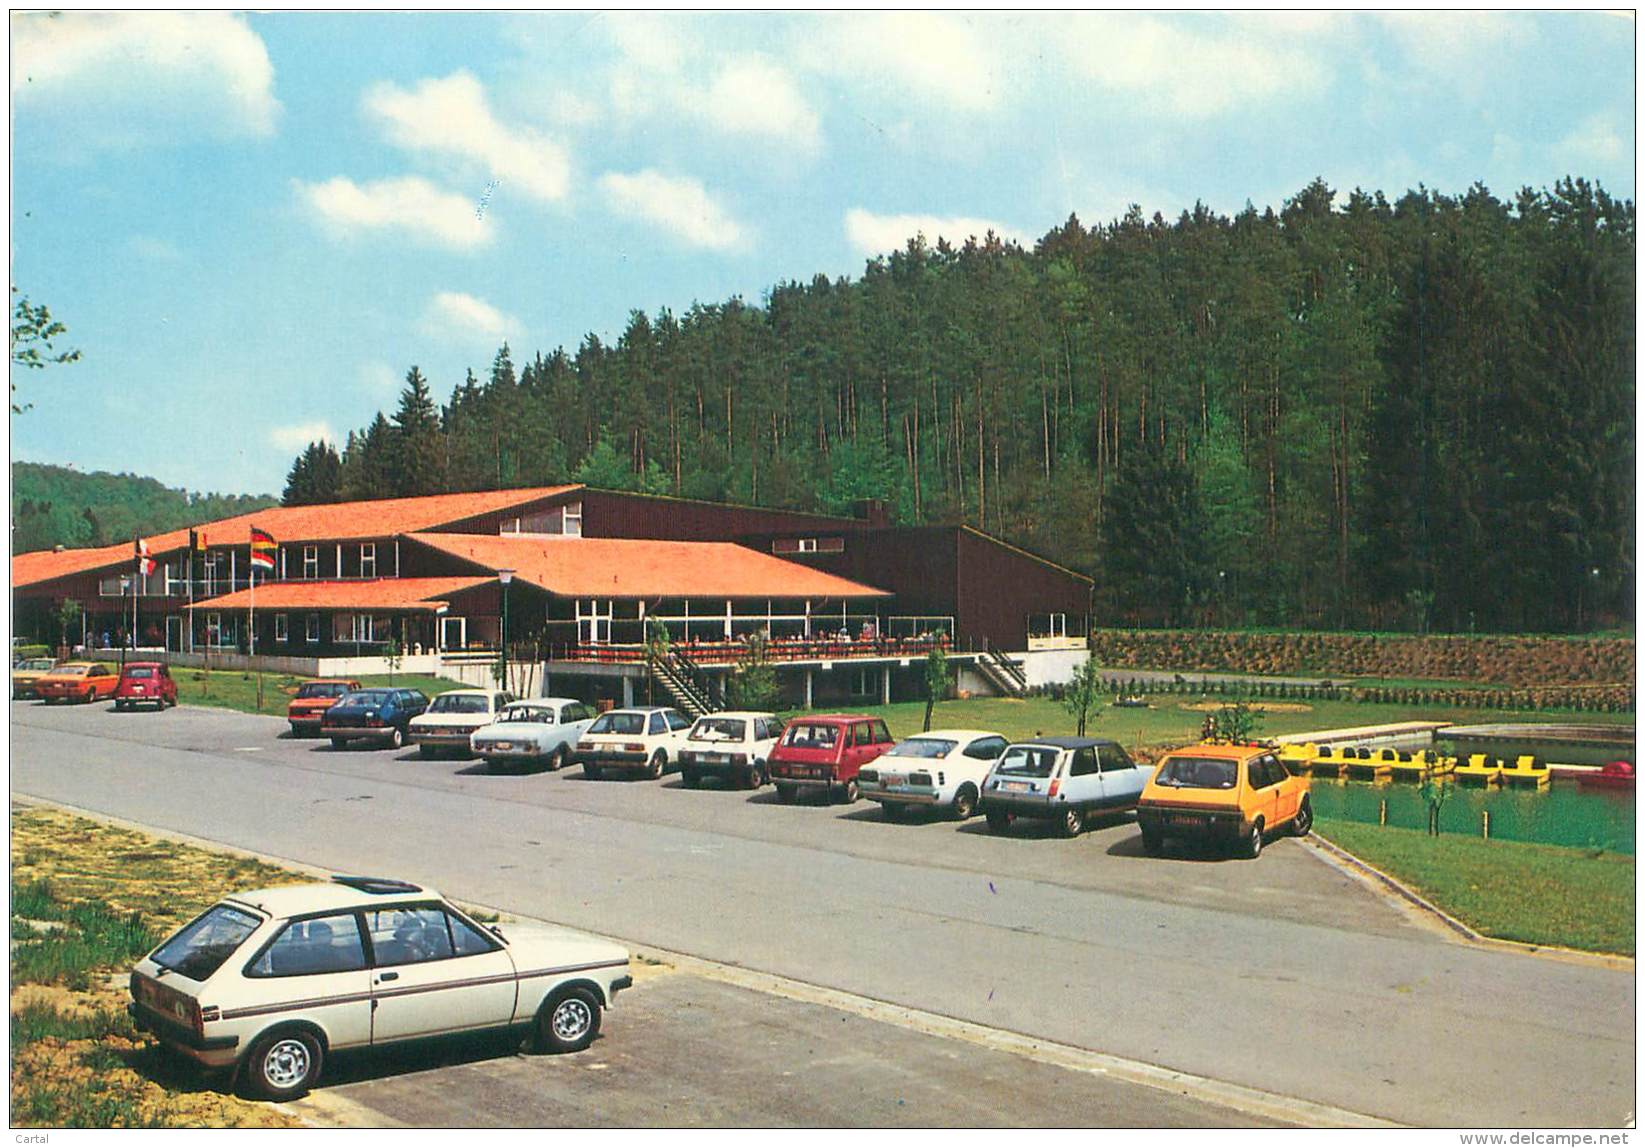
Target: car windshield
(1197, 773)
(922, 747)
(1028, 761)
(74, 671)
(199, 948)
(719, 729)
(618, 723)
(368, 697)
(322, 690)
(37, 664)
(540, 714)
(458, 704)
(139, 672)
(811, 735)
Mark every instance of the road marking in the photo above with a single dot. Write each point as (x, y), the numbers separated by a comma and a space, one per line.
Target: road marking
(248, 749)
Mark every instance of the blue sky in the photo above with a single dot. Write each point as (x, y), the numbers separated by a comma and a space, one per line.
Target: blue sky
(254, 225)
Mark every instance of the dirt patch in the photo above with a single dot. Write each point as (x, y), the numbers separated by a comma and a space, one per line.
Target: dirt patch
(1260, 707)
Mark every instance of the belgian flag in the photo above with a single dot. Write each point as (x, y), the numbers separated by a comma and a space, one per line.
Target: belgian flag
(262, 549)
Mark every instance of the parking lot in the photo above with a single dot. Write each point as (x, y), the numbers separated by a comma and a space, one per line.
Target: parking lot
(1322, 987)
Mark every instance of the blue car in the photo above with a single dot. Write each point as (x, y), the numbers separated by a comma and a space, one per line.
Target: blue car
(378, 714)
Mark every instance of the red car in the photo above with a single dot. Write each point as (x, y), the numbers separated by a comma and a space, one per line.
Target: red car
(823, 754)
(312, 701)
(142, 683)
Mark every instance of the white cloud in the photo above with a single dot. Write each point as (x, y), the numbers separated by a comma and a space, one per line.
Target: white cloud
(1441, 41)
(451, 117)
(925, 54)
(299, 435)
(1595, 141)
(754, 97)
(123, 78)
(409, 205)
(1189, 74)
(678, 205)
(454, 315)
(874, 234)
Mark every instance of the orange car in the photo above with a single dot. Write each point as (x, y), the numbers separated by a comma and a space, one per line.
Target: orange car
(1234, 794)
(312, 701)
(78, 682)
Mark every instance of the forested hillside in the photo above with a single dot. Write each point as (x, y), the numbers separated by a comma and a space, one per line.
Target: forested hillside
(1415, 414)
(52, 505)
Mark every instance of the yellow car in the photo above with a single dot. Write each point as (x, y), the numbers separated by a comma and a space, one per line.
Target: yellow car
(25, 673)
(1233, 794)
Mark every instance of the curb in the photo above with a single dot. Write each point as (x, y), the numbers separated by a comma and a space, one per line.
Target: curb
(1338, 857)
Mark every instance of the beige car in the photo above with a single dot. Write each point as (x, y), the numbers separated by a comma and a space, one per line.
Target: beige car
(275, 980)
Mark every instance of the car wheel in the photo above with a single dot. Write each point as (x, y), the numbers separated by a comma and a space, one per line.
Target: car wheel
(396, 738)
(785, 793)
(1152, 841)
(998, 820)
(654, 768)
(1072, 822)
(425, 751)
(284, 1065)
(119, 705)
(569, 1022)
(339, 743)
(556, 760)
(689, 778)
(849, 792)
(965, 803)
(751, 777)
(1251, 847)
(1304, 820)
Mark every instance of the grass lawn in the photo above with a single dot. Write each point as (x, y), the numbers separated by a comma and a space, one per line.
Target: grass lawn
(1170, 723)
(87, 900)
(237, 689)
(1541, 894)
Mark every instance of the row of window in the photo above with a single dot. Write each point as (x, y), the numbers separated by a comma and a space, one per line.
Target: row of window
(361, 628)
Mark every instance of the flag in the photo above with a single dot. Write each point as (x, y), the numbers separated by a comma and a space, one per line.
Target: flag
(197, 541)
(145, 564)
(262, 549)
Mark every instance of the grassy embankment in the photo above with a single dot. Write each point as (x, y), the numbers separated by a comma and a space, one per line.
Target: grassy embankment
(237, 689)
(87, 900)
(1540, 894)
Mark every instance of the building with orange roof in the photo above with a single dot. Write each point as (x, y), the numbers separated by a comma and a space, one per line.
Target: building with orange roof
(848, 605)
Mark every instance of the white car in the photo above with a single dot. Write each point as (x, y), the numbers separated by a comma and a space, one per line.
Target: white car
(941, 768)
(646, 740)
(541, 731)
(452, 718)
(273, 981)
(735, 745)
(1064, 780)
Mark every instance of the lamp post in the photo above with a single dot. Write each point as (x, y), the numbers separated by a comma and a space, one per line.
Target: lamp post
(505, 577)
(125, 585)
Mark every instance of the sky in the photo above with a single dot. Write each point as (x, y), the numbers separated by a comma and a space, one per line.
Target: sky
(254, 225)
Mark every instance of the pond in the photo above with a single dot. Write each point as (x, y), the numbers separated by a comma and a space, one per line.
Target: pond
(1562, 814)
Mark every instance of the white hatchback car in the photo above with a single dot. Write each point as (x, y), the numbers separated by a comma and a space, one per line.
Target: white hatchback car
(452, 718)
(1064, 780)
(735, 745)
(273, 981)
(643, 740)
(941, 768)
(542, 731)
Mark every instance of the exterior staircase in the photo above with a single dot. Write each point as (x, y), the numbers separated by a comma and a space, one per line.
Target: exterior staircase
(1002, 672)
(693, 692)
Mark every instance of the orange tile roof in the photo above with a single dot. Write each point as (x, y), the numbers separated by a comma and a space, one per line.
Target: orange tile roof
(646, 568)
(330, 522)
(378, 594)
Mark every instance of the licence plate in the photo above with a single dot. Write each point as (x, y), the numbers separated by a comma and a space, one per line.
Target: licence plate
(1015, 786)
(893, 779)
(503, 745)
(1188, 819)
(712, 758)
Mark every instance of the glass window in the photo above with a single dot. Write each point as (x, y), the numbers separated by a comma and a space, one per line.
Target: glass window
(282, 631)
(466, 940)
(574, 518)
(881, 734)
(311, 562)
(986, 748)
(1085, 761)
(458, 704)
(200, 947)
(614, 721)
(139, 672)
(311, 628)
(927, 747)
(811, 735)
(720, 729)
(1197, 773)
(322, 690)
(409, 935)
(317, 945)
(1112, 758)
(677, 720)
(1028, 761)
(368, 560)
(862, 734)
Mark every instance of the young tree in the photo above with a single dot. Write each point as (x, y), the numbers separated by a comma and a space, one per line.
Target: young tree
(1082, 697)
(753, 684)
(1235, 722)
(66, 615)
(938, 680)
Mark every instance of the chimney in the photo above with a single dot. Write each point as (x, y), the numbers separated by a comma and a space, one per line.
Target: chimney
(871, 511)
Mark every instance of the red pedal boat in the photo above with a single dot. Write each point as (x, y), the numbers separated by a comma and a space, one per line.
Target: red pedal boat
(1616, 775)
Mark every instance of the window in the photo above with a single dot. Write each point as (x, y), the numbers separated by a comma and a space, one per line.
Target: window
(677, 720)
(362, 627)
(282, 628)
(574, 519)
(317, 945)
(658, 725)
(311, 562)
(1265, 771)
(1113, 758)
(986, 748)
(407, 936)
(311, 628)
(882, 736)
(368, 560)
(834, 545)
(1085, 762)
(200, 947)
(862, 734)
(458, 703)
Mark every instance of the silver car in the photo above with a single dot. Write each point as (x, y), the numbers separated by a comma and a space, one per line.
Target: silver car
(540, 732)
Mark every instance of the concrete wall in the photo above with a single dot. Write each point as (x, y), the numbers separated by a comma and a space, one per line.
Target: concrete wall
(1049, 667)
(306, 667)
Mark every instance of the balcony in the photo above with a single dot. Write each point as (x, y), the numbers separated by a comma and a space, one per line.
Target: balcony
(778, 650)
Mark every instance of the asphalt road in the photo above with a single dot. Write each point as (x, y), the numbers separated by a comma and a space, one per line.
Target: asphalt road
(1281, 974)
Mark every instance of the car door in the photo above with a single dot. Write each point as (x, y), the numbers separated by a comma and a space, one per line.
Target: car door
(318, 963)
(432, 972)
(977, 758)
(1264, 792)
(1082, 782)
(1285, 795)
(678, 727)
(1122, 781)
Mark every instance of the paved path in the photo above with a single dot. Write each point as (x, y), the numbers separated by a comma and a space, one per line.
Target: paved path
(1281, 975)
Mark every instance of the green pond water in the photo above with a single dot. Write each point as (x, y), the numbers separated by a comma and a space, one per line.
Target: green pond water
(1562, 814)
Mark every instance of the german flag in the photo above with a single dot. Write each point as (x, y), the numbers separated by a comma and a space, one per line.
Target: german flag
(262, 549)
